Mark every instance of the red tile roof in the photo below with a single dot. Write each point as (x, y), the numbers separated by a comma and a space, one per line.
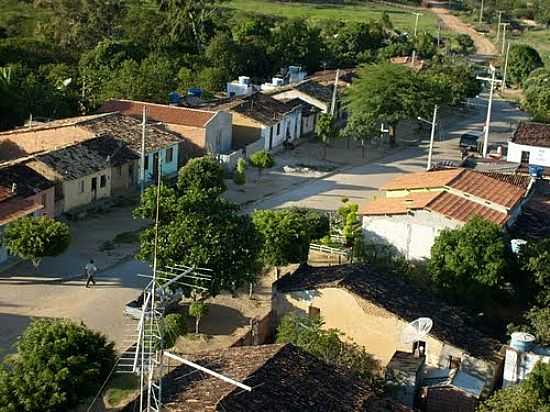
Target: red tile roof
(488, 188)
(461, 209)
(160, 112)
(422, 180)
(398, 205)
(16, 208)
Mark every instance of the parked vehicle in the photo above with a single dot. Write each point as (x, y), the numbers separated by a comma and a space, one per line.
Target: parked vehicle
(470, 141)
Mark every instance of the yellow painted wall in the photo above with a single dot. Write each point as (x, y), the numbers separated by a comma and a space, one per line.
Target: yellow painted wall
(371, 326)
(73, 197)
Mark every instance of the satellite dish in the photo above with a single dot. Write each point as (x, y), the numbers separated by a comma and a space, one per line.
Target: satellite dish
(416, 330)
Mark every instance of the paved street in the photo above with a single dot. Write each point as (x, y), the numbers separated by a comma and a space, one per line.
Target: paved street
(100, 307)
(361, 183)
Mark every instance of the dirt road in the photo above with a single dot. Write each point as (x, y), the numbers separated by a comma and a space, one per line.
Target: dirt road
(483, 45)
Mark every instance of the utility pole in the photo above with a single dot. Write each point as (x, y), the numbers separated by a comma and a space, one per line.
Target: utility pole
(504, 25)
(498, 25)
(505, 67)
(432, 139)
(142, 162)
(416, 22)
(481, 13)
(492, 80)
(334, 91)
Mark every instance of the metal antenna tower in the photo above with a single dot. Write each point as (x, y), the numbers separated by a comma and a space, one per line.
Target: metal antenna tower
(147, 355)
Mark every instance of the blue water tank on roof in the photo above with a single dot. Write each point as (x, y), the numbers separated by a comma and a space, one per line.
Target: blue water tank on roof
(535, 171)
(174, 98)
(194, 91)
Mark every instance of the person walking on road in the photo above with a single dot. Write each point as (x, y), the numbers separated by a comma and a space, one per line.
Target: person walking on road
(90, 270)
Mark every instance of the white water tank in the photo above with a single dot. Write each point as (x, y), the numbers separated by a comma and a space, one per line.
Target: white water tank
(522, 341)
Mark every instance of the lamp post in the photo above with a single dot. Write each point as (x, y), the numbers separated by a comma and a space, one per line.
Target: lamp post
(504, 25)
(492, 80)
(498, 26)
(432, 136)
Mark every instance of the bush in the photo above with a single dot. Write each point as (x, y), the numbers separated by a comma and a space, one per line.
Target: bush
(522, 61)
(58, 363)
(239, 176)
(262, 160)
(173, 325)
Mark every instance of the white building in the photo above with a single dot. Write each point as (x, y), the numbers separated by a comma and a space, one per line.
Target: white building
(530, 144)
(416, 207)
(240, 87)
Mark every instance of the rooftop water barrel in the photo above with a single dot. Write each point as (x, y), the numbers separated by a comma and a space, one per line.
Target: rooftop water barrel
(535, 171)
(522, 341)
(174, 98)
(194, 91)
(244, 80)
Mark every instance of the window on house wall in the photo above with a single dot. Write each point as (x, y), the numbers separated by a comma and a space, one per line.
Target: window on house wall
(120, 170)
(82, 186)
(278, 128)
(525, 157)
(169, 155)
(44, 200)
(102, 181)
(146, 163)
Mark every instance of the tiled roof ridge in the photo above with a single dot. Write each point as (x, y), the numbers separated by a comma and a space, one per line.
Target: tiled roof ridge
(165, 106)
(76, 121)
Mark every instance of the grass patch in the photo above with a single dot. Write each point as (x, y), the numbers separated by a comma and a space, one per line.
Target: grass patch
(401, 17)
(127, 237)
(121, 389)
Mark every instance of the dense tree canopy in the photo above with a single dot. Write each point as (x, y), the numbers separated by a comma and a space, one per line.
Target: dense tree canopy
(389, 93)
(33, 238)
(470, 263)
(522, 61)
(537, 94)
(199, 228)
(58, 364)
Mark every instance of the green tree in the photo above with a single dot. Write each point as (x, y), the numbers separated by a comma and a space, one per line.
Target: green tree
(261, 160)
(152, 79)
(522, 60)
(388, 93)
(33, 238)
(325, 131)
(328, 345)
(212, 78)
(173, 325)
(470, 263)
(204, 174)
(534, 261)
(295, 42)
(286, 234)
(199, 228)
(537, 95)
(350, 225)
(452, 81)
(58, 363)
(530, 395)
(80, 24)
(198, 310)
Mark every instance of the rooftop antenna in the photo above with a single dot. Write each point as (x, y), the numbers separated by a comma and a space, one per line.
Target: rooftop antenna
(416, 330)
(146, 356)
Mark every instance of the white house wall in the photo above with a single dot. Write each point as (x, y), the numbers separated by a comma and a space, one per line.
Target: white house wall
(219, 133)
(537, 155)
(412, 235)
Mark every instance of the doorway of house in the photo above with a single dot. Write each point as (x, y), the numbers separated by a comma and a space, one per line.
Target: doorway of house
(94, 188)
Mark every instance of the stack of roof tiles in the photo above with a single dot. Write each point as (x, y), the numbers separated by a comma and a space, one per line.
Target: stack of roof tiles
(458, 194)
